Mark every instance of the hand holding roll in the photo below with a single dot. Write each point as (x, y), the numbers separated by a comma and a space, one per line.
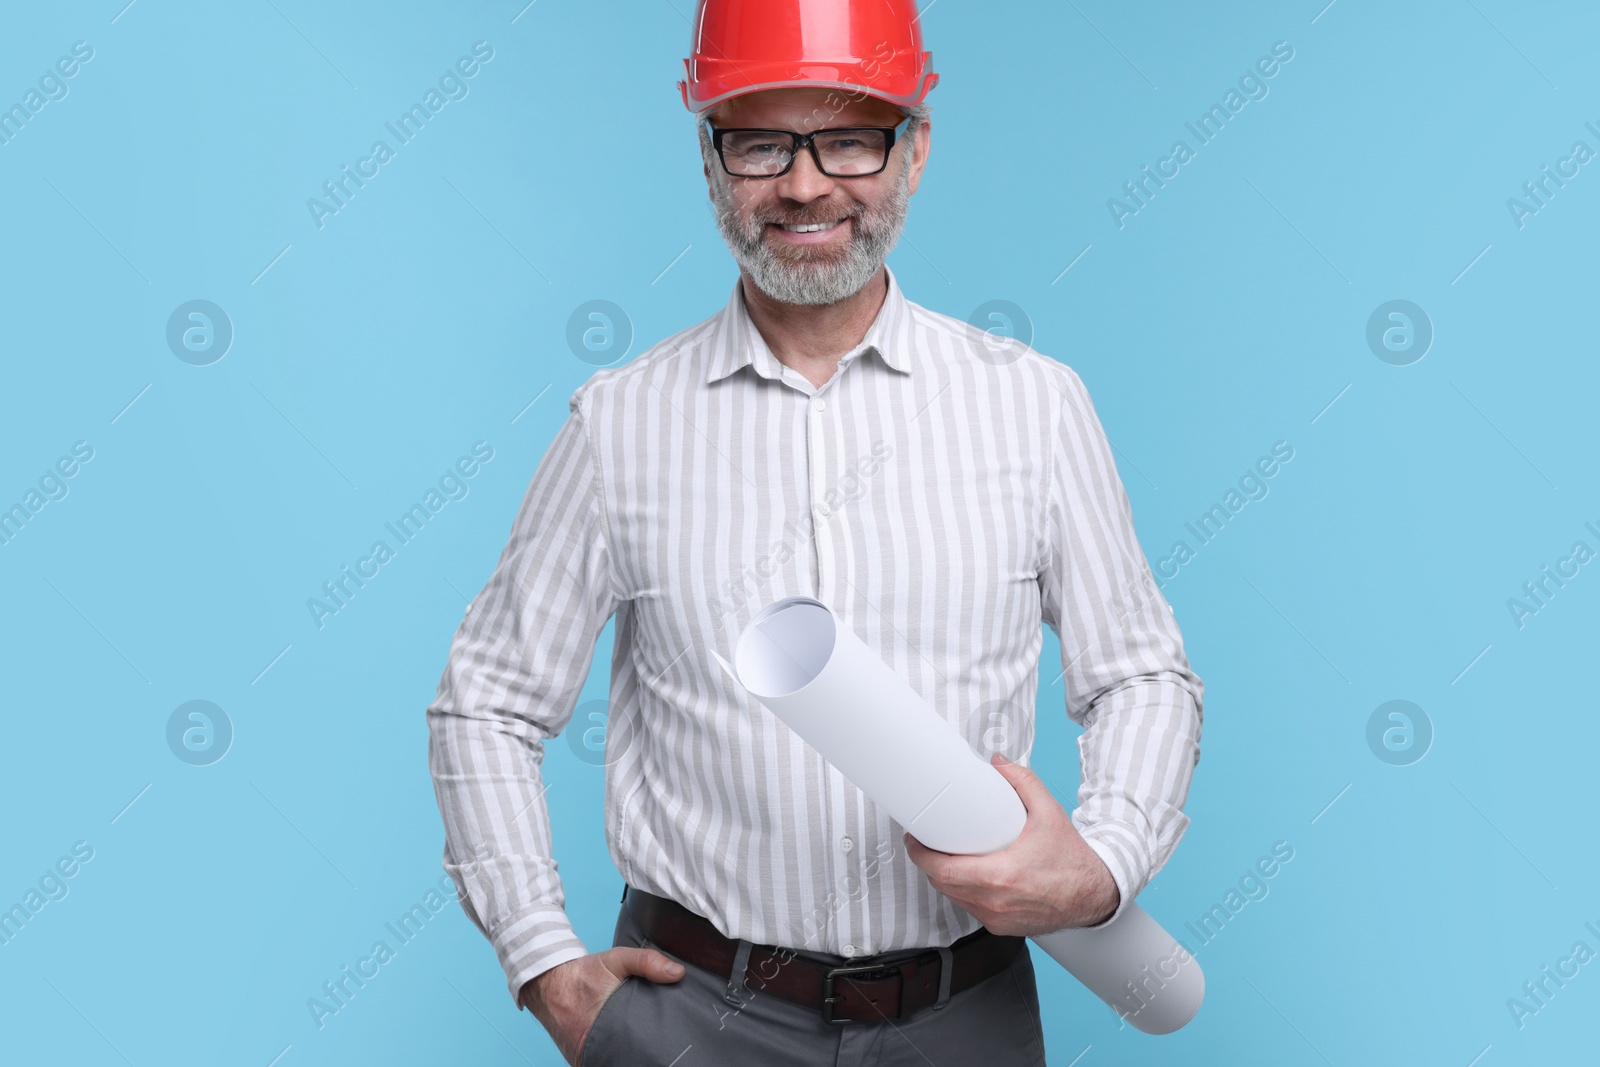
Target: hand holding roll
(1047, 879)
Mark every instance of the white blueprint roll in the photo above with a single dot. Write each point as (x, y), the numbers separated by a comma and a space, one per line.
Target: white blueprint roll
(844, 701)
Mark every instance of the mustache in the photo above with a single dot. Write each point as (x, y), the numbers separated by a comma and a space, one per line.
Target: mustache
(814, 215)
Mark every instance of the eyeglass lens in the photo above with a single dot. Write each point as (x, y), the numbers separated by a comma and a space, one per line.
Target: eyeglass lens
(754, 153)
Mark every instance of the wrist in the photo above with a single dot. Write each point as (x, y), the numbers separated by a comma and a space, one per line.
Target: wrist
(1111, 843)
(531, 995)
(525, 995)
(1109, 899)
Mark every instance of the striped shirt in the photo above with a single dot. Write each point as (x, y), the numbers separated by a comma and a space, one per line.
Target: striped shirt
(945, 492)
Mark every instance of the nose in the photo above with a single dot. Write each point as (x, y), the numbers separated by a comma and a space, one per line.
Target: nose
(804, 182)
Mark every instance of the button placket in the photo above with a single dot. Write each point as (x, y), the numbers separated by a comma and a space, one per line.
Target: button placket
(816, 453)
(817, 456)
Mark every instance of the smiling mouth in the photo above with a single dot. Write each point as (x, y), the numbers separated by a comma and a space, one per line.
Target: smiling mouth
(809, 227)
(812, 232)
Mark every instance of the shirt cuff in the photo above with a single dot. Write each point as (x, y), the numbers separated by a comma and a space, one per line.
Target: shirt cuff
(532, 942)
(1117, 845)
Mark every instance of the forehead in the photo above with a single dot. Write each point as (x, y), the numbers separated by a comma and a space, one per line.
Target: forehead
(805, 110)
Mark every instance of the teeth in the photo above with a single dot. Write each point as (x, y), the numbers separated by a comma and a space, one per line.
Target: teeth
(811, 227)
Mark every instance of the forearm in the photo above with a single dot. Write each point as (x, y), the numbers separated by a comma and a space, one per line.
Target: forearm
(499, 849)
(1138, 753)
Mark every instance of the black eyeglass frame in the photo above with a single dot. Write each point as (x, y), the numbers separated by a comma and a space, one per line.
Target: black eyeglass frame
(806, 140)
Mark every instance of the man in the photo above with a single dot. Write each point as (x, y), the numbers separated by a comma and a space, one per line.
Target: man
(943, 491)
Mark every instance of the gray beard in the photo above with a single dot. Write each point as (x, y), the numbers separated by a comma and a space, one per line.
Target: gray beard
(806, 276)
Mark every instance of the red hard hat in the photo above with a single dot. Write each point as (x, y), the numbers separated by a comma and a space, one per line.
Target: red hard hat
(742, 46)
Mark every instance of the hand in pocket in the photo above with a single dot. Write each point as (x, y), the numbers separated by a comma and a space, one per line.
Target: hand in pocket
(568, 997)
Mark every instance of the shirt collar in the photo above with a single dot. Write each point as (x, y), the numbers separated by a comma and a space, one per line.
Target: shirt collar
(736, 342)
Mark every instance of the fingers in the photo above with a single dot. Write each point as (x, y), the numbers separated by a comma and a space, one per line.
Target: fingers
(647, 963)
(932, 862)
(664, 968)
(1022, 779)
(949, 873)
(921, 854)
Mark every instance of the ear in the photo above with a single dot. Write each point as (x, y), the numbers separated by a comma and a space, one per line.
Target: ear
(705, 168)
(924, 143)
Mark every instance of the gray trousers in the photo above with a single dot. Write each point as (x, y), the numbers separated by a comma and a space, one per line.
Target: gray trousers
(709, 1020)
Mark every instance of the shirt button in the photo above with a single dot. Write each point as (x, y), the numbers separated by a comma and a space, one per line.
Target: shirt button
(818, 404)
(849, 950)
(846, 844)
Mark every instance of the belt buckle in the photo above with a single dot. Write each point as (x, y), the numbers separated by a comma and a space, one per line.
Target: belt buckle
(829, 998)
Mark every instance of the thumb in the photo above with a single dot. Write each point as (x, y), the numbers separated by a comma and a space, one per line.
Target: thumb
(1022, 779)
(647, 963)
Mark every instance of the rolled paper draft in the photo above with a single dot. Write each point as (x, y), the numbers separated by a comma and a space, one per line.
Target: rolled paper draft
(842, 699)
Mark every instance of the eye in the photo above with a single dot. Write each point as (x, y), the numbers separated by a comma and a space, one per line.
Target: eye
(755, 145)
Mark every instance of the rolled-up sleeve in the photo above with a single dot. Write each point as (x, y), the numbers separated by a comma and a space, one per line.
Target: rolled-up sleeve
(516, 666)
(1128, 681)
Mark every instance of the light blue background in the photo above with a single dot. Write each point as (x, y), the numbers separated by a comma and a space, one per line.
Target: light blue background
(369, 354)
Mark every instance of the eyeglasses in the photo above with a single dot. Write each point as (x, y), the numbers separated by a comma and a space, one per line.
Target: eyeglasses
(844, 152)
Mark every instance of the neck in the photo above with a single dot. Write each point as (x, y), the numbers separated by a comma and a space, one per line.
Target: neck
(812, 338)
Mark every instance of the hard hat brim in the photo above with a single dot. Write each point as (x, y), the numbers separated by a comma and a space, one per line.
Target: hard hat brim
(908, 99)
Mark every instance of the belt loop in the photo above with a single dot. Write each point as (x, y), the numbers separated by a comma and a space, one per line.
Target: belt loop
(738, 993)
(946, 960)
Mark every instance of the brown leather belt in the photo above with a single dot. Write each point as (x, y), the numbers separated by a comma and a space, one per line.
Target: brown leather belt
(864, 989)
